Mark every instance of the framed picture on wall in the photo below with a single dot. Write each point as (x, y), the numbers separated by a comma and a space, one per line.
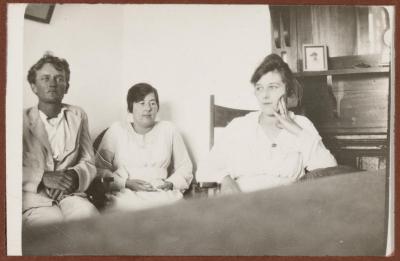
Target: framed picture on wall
(39, 12)
(315, 57)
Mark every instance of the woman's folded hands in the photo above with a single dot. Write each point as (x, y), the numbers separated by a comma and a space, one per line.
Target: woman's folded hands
(141, 185)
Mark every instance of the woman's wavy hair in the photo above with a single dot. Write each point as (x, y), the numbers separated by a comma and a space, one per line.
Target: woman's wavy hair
(138, 92)
(58, 63)
(274, 62)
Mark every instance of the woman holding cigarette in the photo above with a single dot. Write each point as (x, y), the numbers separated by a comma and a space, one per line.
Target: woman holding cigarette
(269, 147)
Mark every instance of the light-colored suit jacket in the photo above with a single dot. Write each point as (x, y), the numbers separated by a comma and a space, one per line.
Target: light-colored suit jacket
(37, 154)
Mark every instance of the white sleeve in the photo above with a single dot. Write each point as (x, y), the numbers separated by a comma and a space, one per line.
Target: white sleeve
(85, 168)
(182, 174)
(104, 158)
(215, 166)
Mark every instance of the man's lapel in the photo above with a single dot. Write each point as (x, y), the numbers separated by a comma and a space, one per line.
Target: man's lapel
(36, 127)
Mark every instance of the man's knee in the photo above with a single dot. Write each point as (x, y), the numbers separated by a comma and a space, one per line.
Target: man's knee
(42, 215)
(76, 207)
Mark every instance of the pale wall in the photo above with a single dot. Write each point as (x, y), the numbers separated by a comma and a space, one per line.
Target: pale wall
(90, 38)
(186, 51)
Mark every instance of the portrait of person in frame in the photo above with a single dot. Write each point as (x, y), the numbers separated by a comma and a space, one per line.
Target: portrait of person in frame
(315, 58)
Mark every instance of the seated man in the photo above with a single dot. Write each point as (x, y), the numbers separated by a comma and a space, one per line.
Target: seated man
(58, 160)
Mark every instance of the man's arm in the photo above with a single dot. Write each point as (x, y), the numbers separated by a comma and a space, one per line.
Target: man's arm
(85, 169)
(31, 179)
(33, 163)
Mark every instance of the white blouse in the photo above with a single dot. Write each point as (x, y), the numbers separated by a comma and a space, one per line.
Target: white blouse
(146, 157)
(255, 161)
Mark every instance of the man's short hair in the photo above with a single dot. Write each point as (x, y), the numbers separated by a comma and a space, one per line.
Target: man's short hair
(58, 63)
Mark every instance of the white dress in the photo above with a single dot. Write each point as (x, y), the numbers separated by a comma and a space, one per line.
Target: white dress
(147, 157)
(256, 162)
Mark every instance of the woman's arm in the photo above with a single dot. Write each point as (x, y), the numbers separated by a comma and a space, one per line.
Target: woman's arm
(182, 174)
(216, 165)
(315, 154)
(105, 159)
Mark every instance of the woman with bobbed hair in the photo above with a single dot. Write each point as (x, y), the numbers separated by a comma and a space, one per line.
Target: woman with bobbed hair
(137, 154)
(269, 147)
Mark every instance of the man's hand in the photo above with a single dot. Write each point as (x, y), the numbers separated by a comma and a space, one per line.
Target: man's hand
(75, 180)
(166, 186)
(139, 185)
(56, 194)
(57, 180)
(64, 180)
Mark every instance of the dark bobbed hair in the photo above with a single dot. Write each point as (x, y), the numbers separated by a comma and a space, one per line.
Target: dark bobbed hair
(138, 92)
(58, 63)
(271, 63)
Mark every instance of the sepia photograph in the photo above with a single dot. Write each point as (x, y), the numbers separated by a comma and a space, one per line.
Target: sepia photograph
(200, 130)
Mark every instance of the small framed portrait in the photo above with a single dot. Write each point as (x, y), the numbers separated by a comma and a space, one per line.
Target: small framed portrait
(315, 57)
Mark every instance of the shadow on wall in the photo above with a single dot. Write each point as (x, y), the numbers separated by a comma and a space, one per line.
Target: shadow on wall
(190, 154)
(166, 115)
(165, 112)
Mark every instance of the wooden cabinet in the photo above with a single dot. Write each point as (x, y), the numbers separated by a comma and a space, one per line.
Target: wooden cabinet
(284, 34)
(349, 102)
(350, 111)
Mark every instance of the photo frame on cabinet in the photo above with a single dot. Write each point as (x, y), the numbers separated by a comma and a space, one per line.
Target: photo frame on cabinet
(315, 57)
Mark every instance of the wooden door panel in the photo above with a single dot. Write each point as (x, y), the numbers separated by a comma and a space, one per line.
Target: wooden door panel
(284, 35)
